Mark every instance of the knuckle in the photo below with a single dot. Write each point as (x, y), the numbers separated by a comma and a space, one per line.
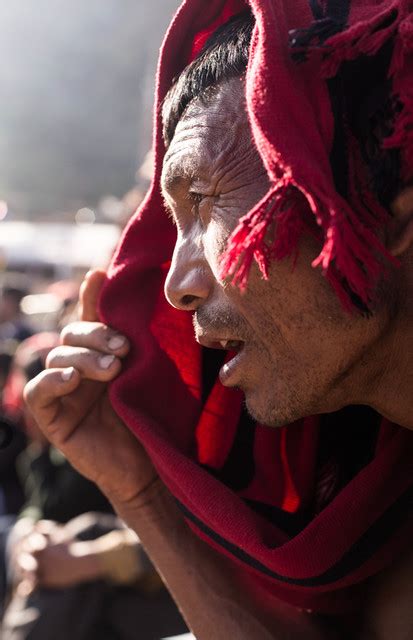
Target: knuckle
(83, 333)
(65, 356)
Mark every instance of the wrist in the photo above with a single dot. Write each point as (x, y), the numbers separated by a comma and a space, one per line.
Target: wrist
(143, 501)
(154, 515)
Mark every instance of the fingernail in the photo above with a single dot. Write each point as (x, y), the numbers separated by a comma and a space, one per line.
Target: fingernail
(116, 342)
(106, 361)
(67, 373)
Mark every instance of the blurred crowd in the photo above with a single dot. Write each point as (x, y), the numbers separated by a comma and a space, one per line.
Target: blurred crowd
(69, 568)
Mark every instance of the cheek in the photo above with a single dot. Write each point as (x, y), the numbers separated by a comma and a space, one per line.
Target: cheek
(293, 315)
(288, 312)
(215, 241)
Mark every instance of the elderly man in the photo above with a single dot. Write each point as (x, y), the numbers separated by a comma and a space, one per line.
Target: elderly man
(287, 145)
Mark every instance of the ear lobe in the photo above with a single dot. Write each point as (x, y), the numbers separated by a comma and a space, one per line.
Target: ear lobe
(400, 229)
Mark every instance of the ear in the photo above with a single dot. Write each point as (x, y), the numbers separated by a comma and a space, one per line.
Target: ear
(400, 229)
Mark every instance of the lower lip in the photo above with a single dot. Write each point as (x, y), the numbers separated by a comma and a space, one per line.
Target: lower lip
(229, 372)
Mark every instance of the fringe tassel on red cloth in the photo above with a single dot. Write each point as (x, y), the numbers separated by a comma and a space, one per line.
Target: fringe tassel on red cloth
(352, 257)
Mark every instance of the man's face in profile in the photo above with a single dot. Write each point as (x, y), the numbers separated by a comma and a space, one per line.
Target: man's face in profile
(295, 352)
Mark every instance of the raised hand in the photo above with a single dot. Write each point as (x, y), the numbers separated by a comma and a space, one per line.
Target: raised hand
(69, 402)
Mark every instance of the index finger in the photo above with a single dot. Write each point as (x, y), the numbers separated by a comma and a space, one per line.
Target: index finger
(89, 295)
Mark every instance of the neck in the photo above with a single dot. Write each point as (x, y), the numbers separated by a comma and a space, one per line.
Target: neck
(391, 386)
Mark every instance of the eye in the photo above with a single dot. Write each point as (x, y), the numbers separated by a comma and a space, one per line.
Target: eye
(201, 206)
(195, 197)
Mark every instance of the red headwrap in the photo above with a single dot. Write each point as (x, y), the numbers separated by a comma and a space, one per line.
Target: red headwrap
(285, 96)
(266, 497)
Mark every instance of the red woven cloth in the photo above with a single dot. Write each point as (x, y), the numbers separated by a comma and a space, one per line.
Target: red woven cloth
(290, 531)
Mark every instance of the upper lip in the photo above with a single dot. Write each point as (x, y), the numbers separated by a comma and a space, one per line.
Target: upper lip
(215, 342)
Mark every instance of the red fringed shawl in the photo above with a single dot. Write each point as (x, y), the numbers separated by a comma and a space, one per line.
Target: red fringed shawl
(265, 497)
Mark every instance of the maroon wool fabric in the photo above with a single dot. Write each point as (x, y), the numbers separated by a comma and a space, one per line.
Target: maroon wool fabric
(365, 525)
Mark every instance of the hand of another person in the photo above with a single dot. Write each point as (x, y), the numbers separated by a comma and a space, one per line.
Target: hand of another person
(55, 565)
(20, 533)
(70, 403)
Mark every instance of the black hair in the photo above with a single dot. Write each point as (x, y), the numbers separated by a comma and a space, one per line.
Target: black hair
(225, 56)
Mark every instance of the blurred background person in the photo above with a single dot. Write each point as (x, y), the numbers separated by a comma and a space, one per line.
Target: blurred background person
(70, 567)
(75, 128)
(13, 325)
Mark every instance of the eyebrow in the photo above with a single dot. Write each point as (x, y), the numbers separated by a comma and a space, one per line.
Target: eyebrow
(169, 183)
(172, 181)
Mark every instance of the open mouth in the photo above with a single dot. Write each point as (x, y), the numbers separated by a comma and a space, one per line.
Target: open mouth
(231, 345)
(228, 344)
(230, 372)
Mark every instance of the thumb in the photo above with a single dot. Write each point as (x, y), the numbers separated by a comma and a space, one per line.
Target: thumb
(89, 295)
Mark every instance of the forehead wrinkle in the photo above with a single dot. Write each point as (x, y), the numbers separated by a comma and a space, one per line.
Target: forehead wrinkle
(209, 139)
(238, 164)
(227, 119)
(205, 155)
(184, 162)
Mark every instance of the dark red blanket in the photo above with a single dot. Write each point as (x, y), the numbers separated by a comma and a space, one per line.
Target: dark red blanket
(302, 521)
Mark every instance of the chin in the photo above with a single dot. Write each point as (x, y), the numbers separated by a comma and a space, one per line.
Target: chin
(279, 401)
(270, 414)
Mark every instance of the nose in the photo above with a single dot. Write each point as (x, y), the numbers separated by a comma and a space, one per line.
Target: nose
(189, 282)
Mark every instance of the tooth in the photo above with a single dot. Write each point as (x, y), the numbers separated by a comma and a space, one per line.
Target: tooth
(223, 343)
